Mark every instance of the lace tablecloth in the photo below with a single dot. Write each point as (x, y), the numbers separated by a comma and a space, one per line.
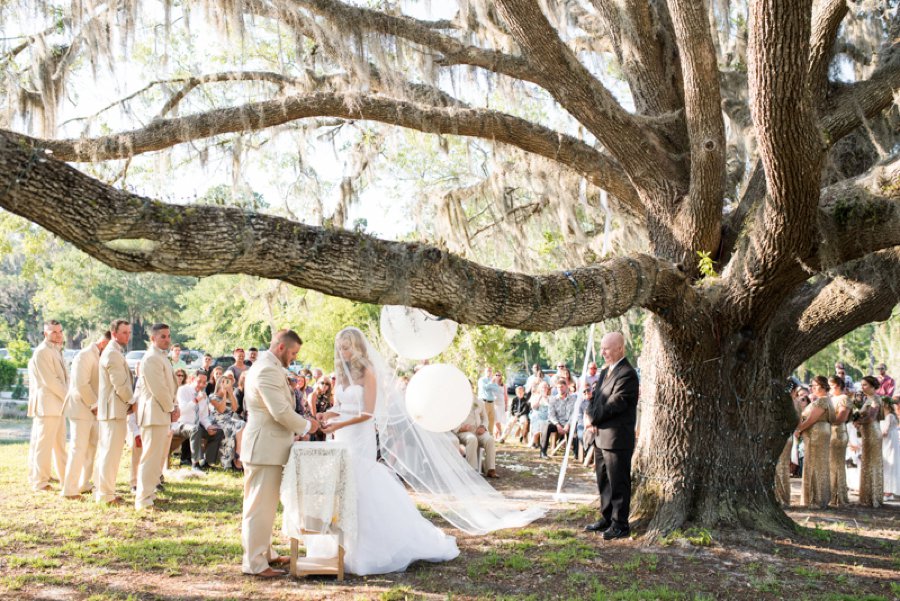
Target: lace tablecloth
(318, 490)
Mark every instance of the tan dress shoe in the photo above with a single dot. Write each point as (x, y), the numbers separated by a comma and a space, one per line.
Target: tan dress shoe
(270, 573)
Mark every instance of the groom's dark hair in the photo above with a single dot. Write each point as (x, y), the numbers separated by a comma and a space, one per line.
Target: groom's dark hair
(285, 336)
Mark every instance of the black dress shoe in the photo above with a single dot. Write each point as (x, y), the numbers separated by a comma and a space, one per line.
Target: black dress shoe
(598, 526)
(614, 532)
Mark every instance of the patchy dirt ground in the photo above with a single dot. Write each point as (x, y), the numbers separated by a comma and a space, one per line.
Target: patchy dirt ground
(50, 549)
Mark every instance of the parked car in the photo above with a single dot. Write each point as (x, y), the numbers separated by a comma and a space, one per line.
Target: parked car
(225, 361)
(4, 354)
(133, 358)
(515, 378)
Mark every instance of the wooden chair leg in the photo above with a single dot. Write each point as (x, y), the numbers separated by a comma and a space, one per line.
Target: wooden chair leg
(340, 558)
(295, 552)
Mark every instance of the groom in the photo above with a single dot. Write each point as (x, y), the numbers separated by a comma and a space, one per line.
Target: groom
(612, 412)
(271, 426)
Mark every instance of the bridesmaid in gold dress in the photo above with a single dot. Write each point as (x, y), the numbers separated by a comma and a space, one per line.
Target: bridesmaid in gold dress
(783, 467)
(816, 440)
(840, 404)
(871, 468)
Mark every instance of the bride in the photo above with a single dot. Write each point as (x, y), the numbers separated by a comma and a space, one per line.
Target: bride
(391, 532)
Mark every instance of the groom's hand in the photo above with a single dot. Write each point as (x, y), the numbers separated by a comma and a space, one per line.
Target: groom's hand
(313, 426)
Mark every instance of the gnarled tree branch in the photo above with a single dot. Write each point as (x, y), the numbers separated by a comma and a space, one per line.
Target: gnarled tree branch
(599, 168)
(701, 214)
(848, 105)
(454, 52)
(134, 233)
(762, 270)
(826, 22)
(859, 216)
(636, 148)
(652, 76)
(830, 307)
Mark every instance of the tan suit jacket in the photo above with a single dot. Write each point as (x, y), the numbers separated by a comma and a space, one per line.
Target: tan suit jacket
(477, 417)
(84, 384)
(156, 388)
(49, 382)
(271, 420)
(116, 384)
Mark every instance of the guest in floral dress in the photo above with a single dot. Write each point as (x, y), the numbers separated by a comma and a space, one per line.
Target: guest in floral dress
(320, 400)
(223, 414)
(871, 467)
(816, 434)
(540, 408)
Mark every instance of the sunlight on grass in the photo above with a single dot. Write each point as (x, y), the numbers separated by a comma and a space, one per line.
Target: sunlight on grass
(58, 541)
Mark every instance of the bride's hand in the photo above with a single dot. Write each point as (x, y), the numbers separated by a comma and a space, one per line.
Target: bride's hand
(330, 428)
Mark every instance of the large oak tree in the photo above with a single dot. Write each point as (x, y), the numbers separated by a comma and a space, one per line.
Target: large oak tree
(761, 135)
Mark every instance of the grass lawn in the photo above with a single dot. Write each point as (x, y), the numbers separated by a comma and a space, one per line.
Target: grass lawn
(51, 548)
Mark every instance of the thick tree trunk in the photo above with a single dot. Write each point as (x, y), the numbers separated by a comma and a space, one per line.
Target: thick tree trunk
(709, 437)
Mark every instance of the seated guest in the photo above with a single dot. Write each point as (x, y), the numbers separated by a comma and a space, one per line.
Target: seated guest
(239, 395)
(301, 407)
(540, 405)
(212, 378)
(517, 421)
(561, 406)
(224, 415)
(473, 434)
(180, 377)
(319, 401)
(194, 423)
(298, 385)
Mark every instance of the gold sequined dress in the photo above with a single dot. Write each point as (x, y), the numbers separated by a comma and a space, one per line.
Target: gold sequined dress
(783, 475)
(783, 470)
(871, 466)
(838, 453)
(816, 441)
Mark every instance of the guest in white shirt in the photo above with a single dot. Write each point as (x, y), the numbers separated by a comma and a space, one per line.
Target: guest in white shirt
(194, 423)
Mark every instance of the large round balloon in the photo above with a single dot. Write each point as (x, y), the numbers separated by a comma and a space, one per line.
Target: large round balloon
(415, 334)
(439, 397)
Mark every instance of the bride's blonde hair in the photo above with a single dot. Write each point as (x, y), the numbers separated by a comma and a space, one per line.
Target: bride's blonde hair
(359, 361)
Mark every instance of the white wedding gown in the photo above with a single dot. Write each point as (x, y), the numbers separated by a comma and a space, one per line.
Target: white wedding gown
(391, 533)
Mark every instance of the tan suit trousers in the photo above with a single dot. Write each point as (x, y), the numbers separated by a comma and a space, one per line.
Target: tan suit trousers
(155, 447)
(491, 416)
(83, 435)
(109, 455)
(262, 484)
(783, 475)
(48, 450)
(472, 442)
(136, 453)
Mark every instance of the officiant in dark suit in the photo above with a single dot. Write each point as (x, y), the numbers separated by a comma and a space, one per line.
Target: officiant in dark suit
(612, 413)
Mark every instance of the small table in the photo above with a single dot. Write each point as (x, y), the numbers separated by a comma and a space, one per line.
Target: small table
(319, 495)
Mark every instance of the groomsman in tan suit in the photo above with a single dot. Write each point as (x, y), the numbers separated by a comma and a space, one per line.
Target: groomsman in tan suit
(271, 426)
(46, 398)
(114, 403)
(155, 398)
(81, 409)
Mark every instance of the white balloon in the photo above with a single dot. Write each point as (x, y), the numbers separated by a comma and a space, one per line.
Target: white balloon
(439, 397)
(415, 334)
